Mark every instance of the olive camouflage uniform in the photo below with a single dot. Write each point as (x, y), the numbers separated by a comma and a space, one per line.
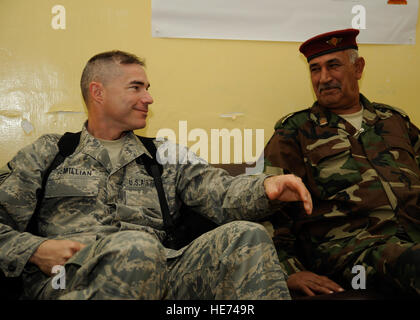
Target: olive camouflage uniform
(365, 186)
(116, 213)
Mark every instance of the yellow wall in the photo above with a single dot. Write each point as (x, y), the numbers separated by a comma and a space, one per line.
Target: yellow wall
(192, 80)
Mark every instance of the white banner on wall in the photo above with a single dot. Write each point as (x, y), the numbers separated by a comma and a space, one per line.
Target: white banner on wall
(281, 20)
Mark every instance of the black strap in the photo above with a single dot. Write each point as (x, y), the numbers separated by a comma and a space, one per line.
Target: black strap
(155, 170)
(68, 143)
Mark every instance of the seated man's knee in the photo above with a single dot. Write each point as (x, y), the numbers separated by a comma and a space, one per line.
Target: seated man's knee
(126, 264)
(134, 245)
(408, 262)
(249, 231)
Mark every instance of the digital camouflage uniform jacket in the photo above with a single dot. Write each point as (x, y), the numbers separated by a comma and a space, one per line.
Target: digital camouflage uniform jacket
(364, 184)
(86, 198)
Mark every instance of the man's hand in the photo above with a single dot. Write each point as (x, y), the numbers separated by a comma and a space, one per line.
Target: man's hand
(54, 252)
(309, 283)
(288, 188)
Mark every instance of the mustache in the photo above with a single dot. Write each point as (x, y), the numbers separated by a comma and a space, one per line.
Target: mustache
(328, 86)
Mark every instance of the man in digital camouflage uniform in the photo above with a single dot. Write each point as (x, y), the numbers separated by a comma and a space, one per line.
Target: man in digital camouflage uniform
(101, 216)
(360, 161)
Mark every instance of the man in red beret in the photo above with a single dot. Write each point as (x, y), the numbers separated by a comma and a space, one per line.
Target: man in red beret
(359, 160)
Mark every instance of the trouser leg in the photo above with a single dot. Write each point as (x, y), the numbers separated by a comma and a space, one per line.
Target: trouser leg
(392, 265)
(234, 261)
(123, 265)
(407, 270)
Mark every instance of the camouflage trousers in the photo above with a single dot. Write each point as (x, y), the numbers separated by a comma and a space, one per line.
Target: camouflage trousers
(391, 263)
(234, 261)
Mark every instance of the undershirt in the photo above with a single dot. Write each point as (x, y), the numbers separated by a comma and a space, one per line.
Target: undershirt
(114, 149)
(355, 119)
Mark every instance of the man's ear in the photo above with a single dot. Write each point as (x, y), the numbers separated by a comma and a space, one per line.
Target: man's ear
(96, 90)
(359, 66)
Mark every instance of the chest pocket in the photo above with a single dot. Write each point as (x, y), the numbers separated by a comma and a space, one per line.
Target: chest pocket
(332, 167)
(140, 191)
(72, 187)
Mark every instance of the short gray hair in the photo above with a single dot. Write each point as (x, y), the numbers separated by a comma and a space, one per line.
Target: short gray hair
(353, 55)
(102, 66)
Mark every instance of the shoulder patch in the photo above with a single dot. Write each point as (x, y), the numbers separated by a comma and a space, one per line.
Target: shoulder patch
(385, 106)
(287, 117)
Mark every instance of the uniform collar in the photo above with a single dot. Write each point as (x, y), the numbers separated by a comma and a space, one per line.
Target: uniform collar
(132, 149)
(324, 117)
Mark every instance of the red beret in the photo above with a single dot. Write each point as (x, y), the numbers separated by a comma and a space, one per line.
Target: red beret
(329, 42)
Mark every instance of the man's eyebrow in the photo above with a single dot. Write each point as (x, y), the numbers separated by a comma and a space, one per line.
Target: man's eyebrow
(328, 61)
(334, 60)
(140, 83)
(313, 65)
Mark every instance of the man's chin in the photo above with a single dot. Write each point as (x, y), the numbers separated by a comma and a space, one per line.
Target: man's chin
(138, 126)
(329, 101)
(330, 105)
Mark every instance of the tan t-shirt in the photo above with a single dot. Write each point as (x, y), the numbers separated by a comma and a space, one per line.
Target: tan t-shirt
(114, 149)
(355, 119)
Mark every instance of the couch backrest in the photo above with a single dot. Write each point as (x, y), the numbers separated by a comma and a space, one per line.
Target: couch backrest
(234, 169)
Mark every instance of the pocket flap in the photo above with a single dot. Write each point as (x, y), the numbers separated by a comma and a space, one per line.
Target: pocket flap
(72, 187)
(328, 150)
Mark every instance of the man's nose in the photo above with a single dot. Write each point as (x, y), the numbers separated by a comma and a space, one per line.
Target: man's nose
(147, 98)
(325, 76)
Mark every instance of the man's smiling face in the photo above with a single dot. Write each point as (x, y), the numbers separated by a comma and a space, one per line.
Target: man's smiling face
(335, 80)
